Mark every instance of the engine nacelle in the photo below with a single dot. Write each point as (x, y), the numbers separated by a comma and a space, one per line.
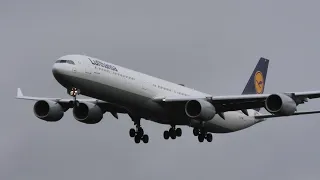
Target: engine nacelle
(88, 113)
(48, 110)
(280, 104)
(200, 110)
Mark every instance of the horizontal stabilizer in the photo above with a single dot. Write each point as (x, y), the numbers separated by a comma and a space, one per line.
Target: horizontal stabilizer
(295, 114)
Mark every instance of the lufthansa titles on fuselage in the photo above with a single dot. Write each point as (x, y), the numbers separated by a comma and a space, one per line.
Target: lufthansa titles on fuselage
(102, 64)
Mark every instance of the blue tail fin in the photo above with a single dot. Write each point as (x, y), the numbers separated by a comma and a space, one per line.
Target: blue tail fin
(257, 81)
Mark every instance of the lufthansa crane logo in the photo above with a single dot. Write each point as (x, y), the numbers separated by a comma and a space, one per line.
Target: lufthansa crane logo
(259, 82)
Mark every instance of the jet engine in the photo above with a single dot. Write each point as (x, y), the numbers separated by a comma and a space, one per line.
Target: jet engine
(280, 104)
(200, 110)
(87, 113)
(48, 110)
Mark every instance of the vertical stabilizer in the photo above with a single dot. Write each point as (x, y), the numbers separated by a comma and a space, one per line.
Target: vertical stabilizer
(257, 81)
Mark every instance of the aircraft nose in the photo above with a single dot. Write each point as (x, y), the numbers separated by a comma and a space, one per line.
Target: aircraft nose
(59, 69)
(56, 70)
(60, 72)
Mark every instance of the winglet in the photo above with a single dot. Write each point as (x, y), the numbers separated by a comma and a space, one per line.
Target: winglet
(21, 96)
(19, 93)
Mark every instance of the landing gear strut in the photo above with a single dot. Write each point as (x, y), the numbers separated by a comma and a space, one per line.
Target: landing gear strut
(172, 133)
(138, 133)
(202, 134)
(74, 92)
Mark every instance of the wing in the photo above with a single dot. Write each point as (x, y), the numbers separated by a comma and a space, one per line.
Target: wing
(263, 116)
(241, 102)
(107, 106)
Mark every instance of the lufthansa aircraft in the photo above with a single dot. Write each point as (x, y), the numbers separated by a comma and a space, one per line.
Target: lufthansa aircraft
(116, 89)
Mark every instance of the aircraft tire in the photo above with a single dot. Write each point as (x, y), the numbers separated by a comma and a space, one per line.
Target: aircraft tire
(137, 139)
(201, 138)
(140, 132)
(166, 135)
(195, 131)
(145, 138)
(172, 133)
(179, 132)
(132, 132)
(209, 137)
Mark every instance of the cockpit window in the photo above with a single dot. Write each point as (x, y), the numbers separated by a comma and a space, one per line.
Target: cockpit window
(65, 61)
(70, 62)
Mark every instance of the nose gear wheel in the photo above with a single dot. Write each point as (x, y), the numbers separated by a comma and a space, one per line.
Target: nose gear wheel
(74, 92)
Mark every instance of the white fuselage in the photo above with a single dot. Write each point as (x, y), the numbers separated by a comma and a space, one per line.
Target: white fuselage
(136, 91)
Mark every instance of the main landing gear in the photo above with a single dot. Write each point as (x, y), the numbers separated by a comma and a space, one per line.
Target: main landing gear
(202, 134)
(138, 133)
(172, 133)
(74, 92)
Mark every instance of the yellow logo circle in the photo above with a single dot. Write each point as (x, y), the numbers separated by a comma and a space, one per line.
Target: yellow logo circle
(259, 82)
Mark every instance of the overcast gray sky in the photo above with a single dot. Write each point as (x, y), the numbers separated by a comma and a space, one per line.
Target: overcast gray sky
(209, 45)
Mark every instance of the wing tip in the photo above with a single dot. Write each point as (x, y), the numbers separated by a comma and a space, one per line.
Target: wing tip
(19, 93)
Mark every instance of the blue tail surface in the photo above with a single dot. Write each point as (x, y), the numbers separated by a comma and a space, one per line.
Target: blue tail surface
(257, 81)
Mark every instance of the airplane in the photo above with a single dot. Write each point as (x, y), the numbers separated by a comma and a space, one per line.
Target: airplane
(119, 90)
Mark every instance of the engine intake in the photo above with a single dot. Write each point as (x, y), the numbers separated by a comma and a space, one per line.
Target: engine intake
(280, 104)
(200, 109)
(87, 113)
(48, 110)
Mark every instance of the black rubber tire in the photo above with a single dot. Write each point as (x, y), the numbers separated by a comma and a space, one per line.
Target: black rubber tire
(195, 131)
(166, 135)
(209, 137)
(145, 138)
(172, 133)
(137, 139)
(140, 132)
(173, 136)
(132, 132)
(201, 137)
(178, 132)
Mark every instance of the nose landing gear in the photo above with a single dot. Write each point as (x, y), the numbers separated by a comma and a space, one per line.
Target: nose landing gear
(74, 92)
